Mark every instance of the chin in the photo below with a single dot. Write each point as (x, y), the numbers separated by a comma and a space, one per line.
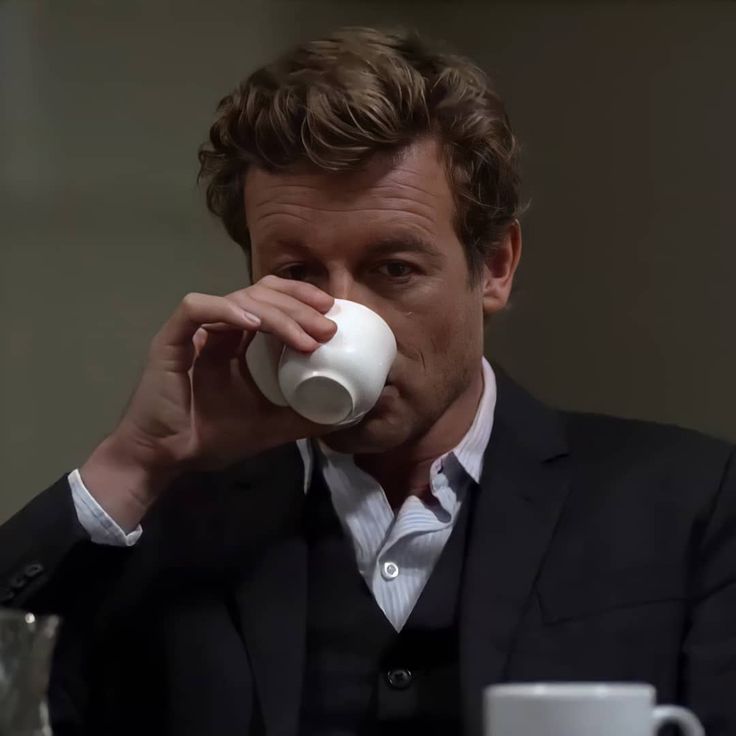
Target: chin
(375, 433)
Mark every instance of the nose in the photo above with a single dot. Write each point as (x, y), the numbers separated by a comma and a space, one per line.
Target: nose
(342, 285)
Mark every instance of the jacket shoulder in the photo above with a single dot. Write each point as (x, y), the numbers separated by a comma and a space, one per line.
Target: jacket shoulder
(601, 438)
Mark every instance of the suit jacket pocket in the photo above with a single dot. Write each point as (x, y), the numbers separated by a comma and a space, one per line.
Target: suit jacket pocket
(566, 599)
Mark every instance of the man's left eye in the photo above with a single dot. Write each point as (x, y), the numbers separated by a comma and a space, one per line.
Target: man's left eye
(397, 269)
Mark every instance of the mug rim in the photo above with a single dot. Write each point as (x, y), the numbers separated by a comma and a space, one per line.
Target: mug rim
(570, 690)
(21, 613)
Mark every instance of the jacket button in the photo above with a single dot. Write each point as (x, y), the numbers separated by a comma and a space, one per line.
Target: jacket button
(399, 679)
(18, 582)
(35, 568)
(6, 595)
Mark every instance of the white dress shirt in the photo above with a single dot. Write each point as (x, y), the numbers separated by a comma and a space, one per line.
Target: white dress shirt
(395, 551)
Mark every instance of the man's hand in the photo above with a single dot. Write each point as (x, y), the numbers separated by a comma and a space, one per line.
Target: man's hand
(196, 406)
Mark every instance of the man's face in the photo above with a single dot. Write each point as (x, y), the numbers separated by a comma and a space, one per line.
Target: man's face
(383, 237)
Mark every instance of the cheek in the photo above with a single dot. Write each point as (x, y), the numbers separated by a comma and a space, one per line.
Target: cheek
(438, 337)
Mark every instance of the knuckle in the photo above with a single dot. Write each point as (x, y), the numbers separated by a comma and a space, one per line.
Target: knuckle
(231, 303)
(268, 281)
(312, 288)
(300, 336)
(307, 289)
(253, 292)
(318, 319)
(190, 301)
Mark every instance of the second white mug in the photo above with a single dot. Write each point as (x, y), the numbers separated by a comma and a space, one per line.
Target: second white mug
(580, 709)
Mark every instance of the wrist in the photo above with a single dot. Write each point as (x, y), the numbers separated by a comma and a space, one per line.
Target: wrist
(124, 485)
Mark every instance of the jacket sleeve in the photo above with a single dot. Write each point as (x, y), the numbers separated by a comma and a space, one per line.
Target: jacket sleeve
(48, 564)
(709, 662)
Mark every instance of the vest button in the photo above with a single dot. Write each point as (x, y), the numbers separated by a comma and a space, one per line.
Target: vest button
(390, 571)
(399, 679)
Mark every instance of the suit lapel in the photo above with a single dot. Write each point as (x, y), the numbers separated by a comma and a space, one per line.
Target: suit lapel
(522, 490)
(270, 597)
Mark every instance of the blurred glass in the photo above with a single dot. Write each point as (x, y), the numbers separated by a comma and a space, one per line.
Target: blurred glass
(26, 646)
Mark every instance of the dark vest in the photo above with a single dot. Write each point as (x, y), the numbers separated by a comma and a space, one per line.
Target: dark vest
(362, 677)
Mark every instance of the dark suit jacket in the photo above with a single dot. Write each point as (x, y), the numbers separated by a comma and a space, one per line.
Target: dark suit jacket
(600, 549)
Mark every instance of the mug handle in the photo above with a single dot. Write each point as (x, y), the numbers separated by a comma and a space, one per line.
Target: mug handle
(682, 717)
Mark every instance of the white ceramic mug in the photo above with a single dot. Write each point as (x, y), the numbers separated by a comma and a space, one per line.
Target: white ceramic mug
(341, 380)
(580, 709)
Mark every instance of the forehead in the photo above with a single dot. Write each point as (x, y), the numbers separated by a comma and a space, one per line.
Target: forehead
(409, 190)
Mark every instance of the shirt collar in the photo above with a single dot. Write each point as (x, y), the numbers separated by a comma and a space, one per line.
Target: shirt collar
(468, 452)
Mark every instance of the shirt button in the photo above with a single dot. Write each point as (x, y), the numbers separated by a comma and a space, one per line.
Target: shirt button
(390, 570)
(399, 679)
(439, 481)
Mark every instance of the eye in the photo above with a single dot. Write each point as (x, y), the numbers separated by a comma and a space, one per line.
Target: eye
(397, 269)
(295, 272)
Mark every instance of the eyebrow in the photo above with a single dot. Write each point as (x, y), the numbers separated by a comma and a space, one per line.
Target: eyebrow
(384, 245)
(403, 243)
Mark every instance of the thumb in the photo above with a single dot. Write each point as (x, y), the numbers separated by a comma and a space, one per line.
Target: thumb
(219, 342)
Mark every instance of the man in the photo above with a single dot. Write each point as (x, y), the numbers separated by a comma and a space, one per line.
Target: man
(224, 566)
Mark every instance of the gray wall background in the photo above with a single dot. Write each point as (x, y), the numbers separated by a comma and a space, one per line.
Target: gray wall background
(626, 111)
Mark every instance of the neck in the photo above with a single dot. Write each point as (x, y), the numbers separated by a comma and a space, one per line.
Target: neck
(405, 470)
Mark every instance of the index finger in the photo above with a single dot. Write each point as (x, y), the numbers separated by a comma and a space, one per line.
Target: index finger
(305, 292)
(196, 310)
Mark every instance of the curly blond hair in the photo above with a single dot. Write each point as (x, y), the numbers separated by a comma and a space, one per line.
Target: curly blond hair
(334, 102)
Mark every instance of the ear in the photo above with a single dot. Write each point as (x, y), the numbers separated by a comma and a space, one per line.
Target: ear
(499, 269)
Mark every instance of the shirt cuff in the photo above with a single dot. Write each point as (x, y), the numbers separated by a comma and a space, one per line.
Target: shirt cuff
(102, 529)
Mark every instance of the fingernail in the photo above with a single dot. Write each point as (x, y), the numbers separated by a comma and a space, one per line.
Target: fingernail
(251, 318)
